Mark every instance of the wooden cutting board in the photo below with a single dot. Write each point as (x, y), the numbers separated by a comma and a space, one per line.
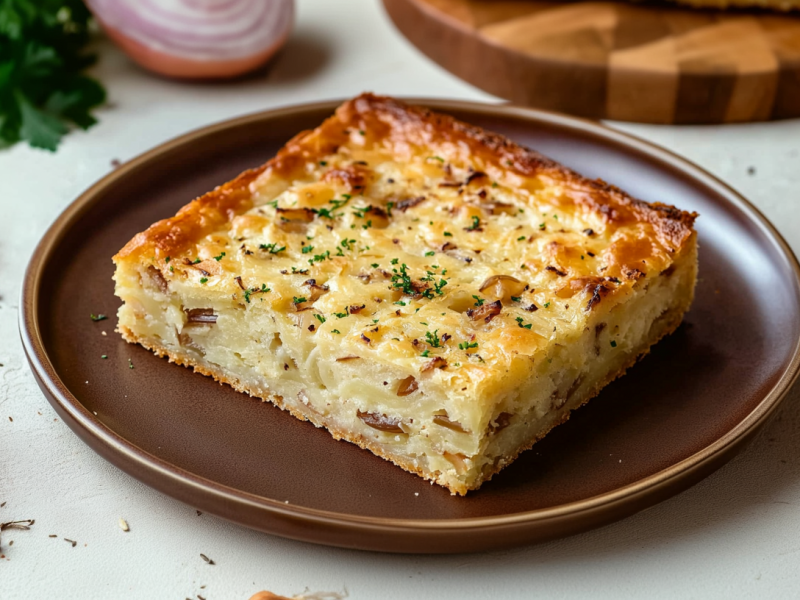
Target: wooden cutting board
(614, 60)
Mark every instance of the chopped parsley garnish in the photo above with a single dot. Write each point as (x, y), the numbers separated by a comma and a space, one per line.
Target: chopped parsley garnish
(476, 223)
(542, 226)
(296, 271)
(425, 353)
(395, 261)
(166, 260)
(340, 203)
(345, 243)
(467, 345)
(581, 256)
(335, 331)
(300, 300)
(219, 258)
(325, 213)
(367, 225)
(523, 325)
(323, 163)
(196, 261)
(320, 257)
(613, 344)
(171, 269)
(478, 300)
(431, 253)
(375, 265)
(130, 363)
(494, 184)
(307, 249)
(328, 213)
(400, 303)
(272, 248)
(439, 158)
(447, 234)
(341, 315)
(361, 131)
(204, 280)
(273, 203)
(546, 305)
(516, 298)
(104, 356)
(433, 339)
(402, 280)
(361, 212)
(97, 317)
(319, 318)
(520, 238)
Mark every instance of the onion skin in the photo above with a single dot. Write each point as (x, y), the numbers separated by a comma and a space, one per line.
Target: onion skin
(205, 55)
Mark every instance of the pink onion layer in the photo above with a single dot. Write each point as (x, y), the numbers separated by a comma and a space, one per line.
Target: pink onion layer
(201, 30)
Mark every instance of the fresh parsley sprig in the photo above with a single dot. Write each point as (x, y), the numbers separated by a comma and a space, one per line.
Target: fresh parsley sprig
(43, 90)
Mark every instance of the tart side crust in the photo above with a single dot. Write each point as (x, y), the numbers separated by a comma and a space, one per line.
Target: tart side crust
(670, 324)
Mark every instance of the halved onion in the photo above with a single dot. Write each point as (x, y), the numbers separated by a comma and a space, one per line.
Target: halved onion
(197, 39)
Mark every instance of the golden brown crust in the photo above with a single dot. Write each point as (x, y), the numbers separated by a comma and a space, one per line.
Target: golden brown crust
(392, 125)
(671, 323)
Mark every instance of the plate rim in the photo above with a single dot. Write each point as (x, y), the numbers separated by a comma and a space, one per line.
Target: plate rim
(646, 491)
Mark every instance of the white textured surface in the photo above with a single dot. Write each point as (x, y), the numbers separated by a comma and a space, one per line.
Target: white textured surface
(736, 534)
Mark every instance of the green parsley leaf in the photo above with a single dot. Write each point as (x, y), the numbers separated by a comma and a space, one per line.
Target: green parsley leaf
(219, 258)
(433, 339)
(98, 317)
(520, 238)
(43, 91)
(613, 344)
(447, 234)
(478, 300)
(431, 253)
(476, 223)
(467, 345)
(204, 280)
(319, 318)
(272, 248)
(523, 325)
(335, 331)
(426, 353)
(307, 249)
(300, 300)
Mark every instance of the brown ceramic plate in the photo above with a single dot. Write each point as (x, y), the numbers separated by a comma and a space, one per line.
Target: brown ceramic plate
(673, 419)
